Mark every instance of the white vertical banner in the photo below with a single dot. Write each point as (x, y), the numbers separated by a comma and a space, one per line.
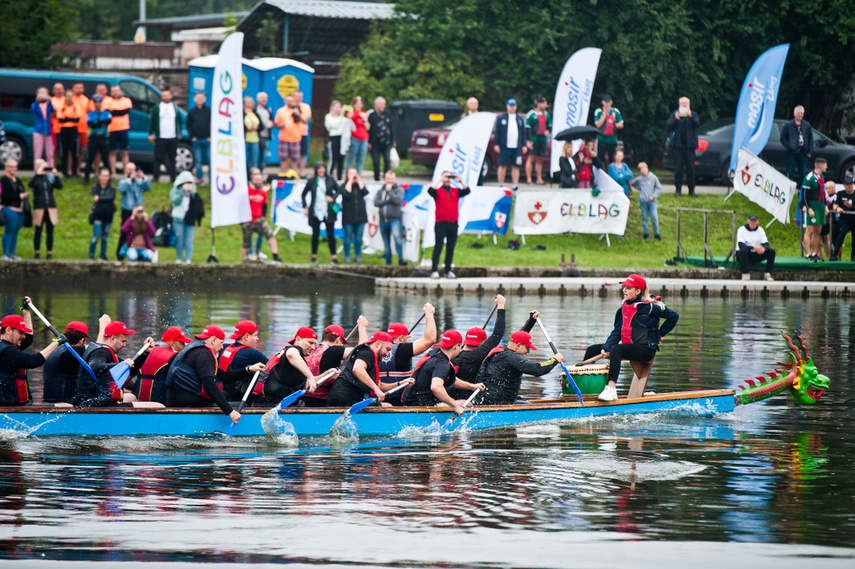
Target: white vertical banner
(573, 96)
(229, 189)
(763, 185)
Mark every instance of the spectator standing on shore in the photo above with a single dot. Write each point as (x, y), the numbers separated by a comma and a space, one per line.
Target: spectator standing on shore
(68, 117)
(43, 183)
(265, 116)
(585, 160)
(797, 139)
(81, 101)
(683, 124)
(510, 140)
(43, 139)
(306, 115)
(321, 191)
(12, 199)
(812, 203)
(447, 198)
(380, 138)
(58, 102)
(139, 230)
(288, 120)
(187, 212)
(354, 216)
(257, 201)
(844, 206)
(649, 189)
(753, 247)
(164, 128)
(98, 121)
(199, 129)
(567, 167)
(335, 123)
(538, 124)
(620, 172)
(102, 90)
(358, 136)
(388, 200)
(103, 209)
(827, 243)
(609, 120)
(472, 106)
(131, 189)
(251, 124)
(120, 126)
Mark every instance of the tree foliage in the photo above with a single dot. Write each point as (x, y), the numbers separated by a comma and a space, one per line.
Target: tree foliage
(654, 51)
(32, 27)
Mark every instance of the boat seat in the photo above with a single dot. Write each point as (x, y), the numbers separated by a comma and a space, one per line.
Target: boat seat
(640, 375)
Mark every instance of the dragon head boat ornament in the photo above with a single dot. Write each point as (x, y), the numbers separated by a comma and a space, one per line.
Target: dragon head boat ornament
(801, 377)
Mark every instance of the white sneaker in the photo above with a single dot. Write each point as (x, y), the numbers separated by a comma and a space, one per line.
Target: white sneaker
(450, 275)
(767, 277)
(252, 257)
(609, 394)
(746, 277)
(178, 261)
(434, 275)
(262, 256)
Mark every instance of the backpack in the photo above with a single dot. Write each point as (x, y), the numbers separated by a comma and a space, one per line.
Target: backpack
(164, 236)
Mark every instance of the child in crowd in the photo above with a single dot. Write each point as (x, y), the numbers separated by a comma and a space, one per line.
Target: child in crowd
(649, 189)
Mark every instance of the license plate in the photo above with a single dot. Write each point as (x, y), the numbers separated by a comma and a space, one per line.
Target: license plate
(421, 141)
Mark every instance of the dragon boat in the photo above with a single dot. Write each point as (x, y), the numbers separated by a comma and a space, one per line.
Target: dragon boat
(800, 377)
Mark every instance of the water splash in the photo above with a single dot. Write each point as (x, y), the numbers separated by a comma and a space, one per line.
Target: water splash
(344, 430)
(279, 431)
(13, 429)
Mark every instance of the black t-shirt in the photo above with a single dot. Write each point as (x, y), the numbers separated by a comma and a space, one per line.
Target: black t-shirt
(286, 374)
(438, 365)
(348, 389)
(846, 202)
(332, 358)
(13, 358)
(404, 357)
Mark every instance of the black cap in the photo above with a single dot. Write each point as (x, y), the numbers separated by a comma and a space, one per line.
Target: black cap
(540, 99)
(752, 217)
(607, 98)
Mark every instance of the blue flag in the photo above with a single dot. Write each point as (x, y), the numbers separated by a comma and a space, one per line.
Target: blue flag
(756, 109)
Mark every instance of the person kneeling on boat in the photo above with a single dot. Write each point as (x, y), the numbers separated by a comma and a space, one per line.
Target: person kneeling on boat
(16, 335)
(151, 384)
(329, 354)
(434, 374)
(637, 334)
(192, 377)
(288, 370)
(504, 367)
(241, 354)
(61, 367)
(360, 376)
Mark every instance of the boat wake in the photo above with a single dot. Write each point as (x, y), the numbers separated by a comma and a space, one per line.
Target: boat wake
(279, 431)
(344, 430)
(603, 465)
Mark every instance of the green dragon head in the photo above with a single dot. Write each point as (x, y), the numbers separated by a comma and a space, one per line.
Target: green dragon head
(804, 381)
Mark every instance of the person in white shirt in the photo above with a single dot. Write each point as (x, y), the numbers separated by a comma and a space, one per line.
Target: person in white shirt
(336, 125)
(164, 127)
(753, 247)
(510, 137)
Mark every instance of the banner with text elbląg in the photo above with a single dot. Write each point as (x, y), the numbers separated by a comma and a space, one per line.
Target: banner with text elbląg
(545, 212)
(573, 96)
(764, 185)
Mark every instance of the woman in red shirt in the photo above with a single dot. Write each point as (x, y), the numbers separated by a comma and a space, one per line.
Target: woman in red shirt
(358, 136)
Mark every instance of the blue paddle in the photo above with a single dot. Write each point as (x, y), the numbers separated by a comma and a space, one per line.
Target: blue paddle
(357, 407)
(286, 401)
(122, 371)
(555, 351)
(74, 353)
(448, 423)
(243, 401)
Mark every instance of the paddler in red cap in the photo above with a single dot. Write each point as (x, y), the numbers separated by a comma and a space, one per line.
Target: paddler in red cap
(637, 333)
(398, 362)
(288, 370)
(435, 374)
(504, 367)
(61, 367)
(330, 353)
(151, 384)
(241, 354)
(360, 374)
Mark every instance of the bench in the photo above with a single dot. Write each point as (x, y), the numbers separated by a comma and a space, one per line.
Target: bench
(641, 373)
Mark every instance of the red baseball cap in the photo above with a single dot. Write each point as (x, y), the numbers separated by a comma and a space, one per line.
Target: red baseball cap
(380, 337)
(450, 338)
(211, 330)
(335, 330)
(523, 338)
(174, 334)
(15, 321)
(635, 281)
(244, 327)
(474, 337)
(117, 327)
(304, 332)
(77, 326)
(397, 329)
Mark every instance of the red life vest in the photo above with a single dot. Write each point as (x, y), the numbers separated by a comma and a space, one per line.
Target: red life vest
(632, 331)
(115, 393)
(314, 363)
(271, 363)
(228, 355)
(156, 360)
(20, 392)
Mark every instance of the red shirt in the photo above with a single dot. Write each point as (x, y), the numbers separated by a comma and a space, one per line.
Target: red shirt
(359, 132)
(257, 199)
(447, 200)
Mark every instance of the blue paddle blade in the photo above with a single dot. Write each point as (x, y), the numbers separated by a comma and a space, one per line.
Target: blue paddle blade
(357, 407)
(290, 399)
(120, 373)
(229, 430)
(86, 366)
(573, 385)
(447, 424)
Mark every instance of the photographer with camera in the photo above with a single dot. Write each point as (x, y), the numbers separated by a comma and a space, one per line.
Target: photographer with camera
(288, 120)
(131, 188)
(447, 198)
(683, 128)
(45, 181)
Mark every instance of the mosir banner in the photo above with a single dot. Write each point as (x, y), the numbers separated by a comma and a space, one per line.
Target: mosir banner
(763, 185)
(464, 149)
(573, 96)
(544, 212)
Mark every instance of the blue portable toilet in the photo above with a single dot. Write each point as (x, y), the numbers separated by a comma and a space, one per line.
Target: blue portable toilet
(277, 76)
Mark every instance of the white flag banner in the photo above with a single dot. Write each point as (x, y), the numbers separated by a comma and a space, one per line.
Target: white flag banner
(229, 188)
(573, 96)
(764, 185)
(544, 212)
(464, 149)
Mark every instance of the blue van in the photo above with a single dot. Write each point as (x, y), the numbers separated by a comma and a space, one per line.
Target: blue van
(18, 91)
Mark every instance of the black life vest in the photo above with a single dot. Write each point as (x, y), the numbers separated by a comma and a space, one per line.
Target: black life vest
(347, 369)
(107, 381)
(270, 368)
(148, 386)
(59, 385)
(184, 376)
(14, 387)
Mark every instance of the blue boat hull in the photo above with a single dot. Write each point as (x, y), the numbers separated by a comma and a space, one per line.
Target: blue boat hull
(374, 421)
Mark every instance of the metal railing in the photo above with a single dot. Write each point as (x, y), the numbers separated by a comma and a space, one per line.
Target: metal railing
(681, 253)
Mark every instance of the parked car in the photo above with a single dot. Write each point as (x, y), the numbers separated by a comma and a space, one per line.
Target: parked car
(18, 91)
(715, 139)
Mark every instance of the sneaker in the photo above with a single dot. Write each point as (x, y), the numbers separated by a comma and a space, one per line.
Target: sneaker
(251, 257)
(313, 260)
(450, 275)
(434, 275)
(357, 260)
(645, 237)
(609, 394)
(15, 258)
(515, 189)
(37, 256)
(746, 277)
(177, 261)
(834, 258)
(346, 260)
(402, 263)
(277, 258)
(187, 262)
(334, 261)
(103, 258)
(8, 258)
(767, 277)
(657, 237)
(49, 256)
(262, 256)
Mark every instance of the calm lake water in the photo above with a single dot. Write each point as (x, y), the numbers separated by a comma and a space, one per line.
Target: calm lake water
(770, 485)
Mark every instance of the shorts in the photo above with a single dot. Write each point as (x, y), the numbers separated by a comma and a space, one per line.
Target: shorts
(819, 214)
(512, 156)
(826, 229)
(119, 140)
(289, 150)
(304, 146)
(259, 226)
(538, 147)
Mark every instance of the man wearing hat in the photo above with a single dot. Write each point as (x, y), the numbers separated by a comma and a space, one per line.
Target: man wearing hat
(510, 142)
(637, 333)
(753, 247)
(151, 385)
(538, 122)
(844, 207)
(240, 355)
(16, 335)
(397, 362)
(61, 367)
(609, 120)
(476, 346)
(360, 374)
(504, 367)
(434, 375)
(288, 369)
(103, 391)
(330, 353)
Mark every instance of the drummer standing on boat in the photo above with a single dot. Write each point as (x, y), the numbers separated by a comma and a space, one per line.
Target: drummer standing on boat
(637, 333)
(329, 354)
(16, 335)
(504, 367)
(241, 354)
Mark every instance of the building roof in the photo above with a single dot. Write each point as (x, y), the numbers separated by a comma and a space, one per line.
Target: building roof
(334, 9)
(261, 63)
(189, 22)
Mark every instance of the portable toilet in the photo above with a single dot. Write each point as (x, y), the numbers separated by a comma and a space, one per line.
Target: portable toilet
(276, 76)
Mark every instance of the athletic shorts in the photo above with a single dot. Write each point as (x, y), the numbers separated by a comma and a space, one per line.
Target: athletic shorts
(259, 226)
(538, 147)
(512, 156)
(819, 214)
(119, 140)
(826, 229)
(289, 150)
(304, 146)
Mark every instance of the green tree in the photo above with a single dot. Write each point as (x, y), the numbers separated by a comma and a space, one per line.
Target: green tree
(32, 28)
